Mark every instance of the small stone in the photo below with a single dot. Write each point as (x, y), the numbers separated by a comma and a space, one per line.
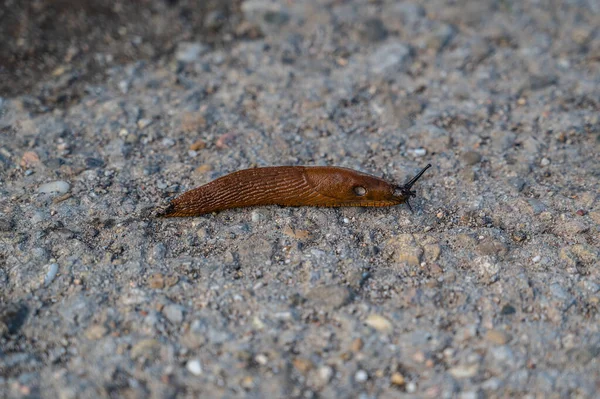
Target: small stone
(297, 234)
(518, 183)
(96, 331)
(519, 236)
(357, 345)
(225, 141)
(361, 376)
(302, 365)
(174, 313)
(202, 169)
(404, 249)
(379, 323)
(464, 371)
(471, 157)
(580, 212)
(168, 142)
(143, 123)
(583, 253)
(261, 359)
(194, 366)
(536, 206)
(156, 281)
(51, 274)
(420, 152)
(374, 30)
(277, 18)
(536, 259)
(93, 163)
(545, 162)
(389, 58)
(198, 145)
(190, 51)
(508, 310)
(29, 160)
(497, 337)
(147, 348)
(55, 187)
(398, 379)
(325, 374)
(411, 387)
(432, 252)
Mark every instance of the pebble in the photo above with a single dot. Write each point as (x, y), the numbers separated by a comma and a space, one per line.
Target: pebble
(361, 376)
(536, 206)
(325, 374)
(398, 379)
(96, 331)
(389, 58)
(471, 157)
(55, 187)
(545, 162)
(190, 51)
(420, 152)
(497, 337)
(30, 159)
(147, 348)
(379, 323)
(302, 365)
(374, 30)
(174, 313)
(51, 274)
(156, 280)
(405, 250)
(411, 387)
(194, 366)
(168, 142)
(536, 259)
(464, 371)
(143, 123)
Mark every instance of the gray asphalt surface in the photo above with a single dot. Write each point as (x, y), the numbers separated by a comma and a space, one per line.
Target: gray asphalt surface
(489, 289)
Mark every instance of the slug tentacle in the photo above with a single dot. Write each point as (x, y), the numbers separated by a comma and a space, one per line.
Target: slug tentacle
(290, 186)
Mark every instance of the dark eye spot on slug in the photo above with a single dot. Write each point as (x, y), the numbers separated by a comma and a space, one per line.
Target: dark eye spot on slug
(360, 191)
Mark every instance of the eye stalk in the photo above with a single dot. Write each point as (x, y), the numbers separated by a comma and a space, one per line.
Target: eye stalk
(405, 190)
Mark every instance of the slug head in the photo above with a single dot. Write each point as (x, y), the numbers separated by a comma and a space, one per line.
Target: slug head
(347, 187)
(405, 191)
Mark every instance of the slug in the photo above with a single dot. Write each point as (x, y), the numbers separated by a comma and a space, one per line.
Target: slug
(290, 186)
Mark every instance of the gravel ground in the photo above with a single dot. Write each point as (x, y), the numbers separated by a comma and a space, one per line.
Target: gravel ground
(490, 288)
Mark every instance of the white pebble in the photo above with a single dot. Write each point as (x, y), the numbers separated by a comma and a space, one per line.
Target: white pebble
(194, 366)
(536, 259)
(420, 152)
(545, 162)
(168, 142)
(55, 187)
(411, 387)
(261, 359)
(325, 373)
(346, 220)
(52, 272)
(361, 376)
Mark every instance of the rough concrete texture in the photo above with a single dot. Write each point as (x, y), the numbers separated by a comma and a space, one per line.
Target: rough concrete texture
(491, 288)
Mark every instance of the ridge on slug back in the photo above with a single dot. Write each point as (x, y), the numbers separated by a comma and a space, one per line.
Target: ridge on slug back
(326, 186)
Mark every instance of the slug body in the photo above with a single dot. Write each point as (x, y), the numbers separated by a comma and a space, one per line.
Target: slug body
(290, 186)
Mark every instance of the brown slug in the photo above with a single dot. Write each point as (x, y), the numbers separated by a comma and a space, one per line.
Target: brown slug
(290, 186)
